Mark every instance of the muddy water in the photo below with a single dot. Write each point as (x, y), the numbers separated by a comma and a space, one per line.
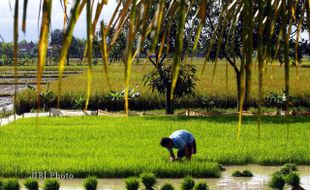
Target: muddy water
(226, 182)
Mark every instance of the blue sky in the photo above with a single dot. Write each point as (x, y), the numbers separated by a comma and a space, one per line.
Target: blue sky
(32, 33)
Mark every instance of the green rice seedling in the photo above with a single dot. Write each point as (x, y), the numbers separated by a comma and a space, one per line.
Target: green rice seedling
(137, 138)
(188, 183)
(292, 179)
(167, 186)
(31, 184)
(247, 173)
(288, 168)
(11, 184)
(51, 184)
(277, 181)
(132, 183)
(149, 180)
(237, 173)
(201, 186)
(90, 183)
(1, 184)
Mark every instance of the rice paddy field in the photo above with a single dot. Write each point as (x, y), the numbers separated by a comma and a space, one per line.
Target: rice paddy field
(216, 88)
(125, 146)
(221, 89)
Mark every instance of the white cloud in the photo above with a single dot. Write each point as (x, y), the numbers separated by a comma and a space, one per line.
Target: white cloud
(32, 33)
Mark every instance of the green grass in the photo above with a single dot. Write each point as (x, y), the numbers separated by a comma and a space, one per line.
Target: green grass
(121, 147)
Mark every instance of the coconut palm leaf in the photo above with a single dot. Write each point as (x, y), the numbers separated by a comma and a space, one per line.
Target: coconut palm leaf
(43, 44)
(104, 53)
(89, 48)
(75, 14)
(179, 46)
(15, 29)
(24, 15)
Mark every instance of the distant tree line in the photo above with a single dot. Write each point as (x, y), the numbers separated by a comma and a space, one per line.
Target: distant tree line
(27, 51)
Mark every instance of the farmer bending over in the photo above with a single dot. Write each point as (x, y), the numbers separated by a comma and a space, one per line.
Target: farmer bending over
(182, 140)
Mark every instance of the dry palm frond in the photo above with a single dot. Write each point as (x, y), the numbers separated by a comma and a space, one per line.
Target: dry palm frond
(89, 48)
(75, 13)
(43, 43)
(15, 52)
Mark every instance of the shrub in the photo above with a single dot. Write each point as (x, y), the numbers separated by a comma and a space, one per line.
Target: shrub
(186, 81)
(277, 181)
(31, 184)
(11, 184)
(201, 186)
(1, 184)
(90, 183)
(149, 180)
(188, 183)
(51, 184)
(237, 173)
(288, 168)
(167, 186)
(292, 179)
(247, 173)
(132, 183)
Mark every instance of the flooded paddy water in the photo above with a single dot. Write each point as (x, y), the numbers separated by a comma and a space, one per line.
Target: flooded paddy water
(226, 182)
(25, 78)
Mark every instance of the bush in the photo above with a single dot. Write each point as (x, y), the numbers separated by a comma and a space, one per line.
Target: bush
(201, 186)
(237, 173)
(90, 183)
(247, 173)
(31, 184)
(149, 180)
(292, 179)
(51, 184)
(132, 183)
(188, 183)
(277, 181)
(186, 81)
(1, 184)
(288, 168)
(167, 186)
(11, 184)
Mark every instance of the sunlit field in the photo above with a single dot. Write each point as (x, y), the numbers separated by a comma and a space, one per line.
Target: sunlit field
(274, 80)
(119, 147)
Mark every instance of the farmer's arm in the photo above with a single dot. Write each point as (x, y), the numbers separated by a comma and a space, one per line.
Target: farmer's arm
(172, 156)
(188, 154)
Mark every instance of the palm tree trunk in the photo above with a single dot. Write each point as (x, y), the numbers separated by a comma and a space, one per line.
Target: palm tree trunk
(238, 77)
(169, 102)
(68, 60)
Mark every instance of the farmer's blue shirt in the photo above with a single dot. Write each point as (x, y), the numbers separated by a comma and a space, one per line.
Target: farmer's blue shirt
(181, 138)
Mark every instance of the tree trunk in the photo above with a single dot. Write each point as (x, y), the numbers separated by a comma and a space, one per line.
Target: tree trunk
(169, 102)
(248, 81)
(68, 60)
(238, 77)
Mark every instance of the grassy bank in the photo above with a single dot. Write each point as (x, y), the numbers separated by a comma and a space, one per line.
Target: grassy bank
(119, 147)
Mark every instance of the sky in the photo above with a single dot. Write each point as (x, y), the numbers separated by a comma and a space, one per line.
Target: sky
(32, 30)
(32, 33)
